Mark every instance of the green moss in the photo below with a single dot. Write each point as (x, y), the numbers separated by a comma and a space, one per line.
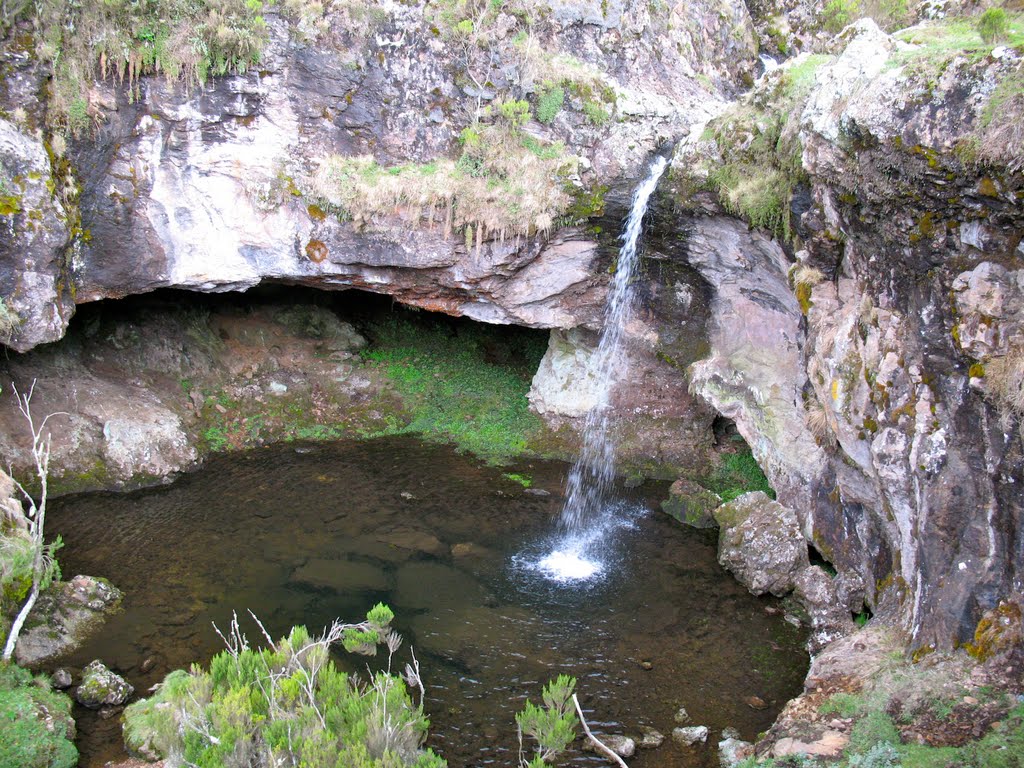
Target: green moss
(550, 99)
(736, 474)
(10, 205)
(24, 704)
(977, 371)
(452, 392)
(803, 296)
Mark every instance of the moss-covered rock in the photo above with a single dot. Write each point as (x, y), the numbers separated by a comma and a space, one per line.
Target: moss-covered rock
(692, 504)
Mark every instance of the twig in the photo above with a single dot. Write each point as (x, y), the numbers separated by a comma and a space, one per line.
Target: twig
(593, 739)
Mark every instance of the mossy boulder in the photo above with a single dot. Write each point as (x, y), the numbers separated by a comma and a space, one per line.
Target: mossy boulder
(64, 616)
(692, 504)
(101, 687)
(761, 543)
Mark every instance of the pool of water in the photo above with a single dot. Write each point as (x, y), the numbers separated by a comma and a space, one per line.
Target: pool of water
(303, 534)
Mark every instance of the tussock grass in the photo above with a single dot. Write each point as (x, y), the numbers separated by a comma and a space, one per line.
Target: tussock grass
(503, 186)
(186, 39)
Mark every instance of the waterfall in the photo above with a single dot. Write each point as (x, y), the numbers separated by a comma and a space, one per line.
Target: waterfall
(590, 480)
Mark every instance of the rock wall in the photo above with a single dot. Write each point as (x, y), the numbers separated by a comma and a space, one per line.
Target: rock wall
(855, 359)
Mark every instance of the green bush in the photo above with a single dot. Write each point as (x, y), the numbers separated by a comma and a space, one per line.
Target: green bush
(993, 25)
(25, 741)
(839, 13)
(549, 102)
(552, 726)
(874, 729)
(287, 705)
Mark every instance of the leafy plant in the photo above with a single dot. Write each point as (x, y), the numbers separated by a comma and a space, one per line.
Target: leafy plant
(838, 13)
(549, 102)
(993, 25)
(288, 704)
(552, 726)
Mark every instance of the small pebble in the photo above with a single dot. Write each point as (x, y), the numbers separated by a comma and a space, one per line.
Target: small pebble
(755, 702)
(646, 665)
(682, 716)
(650, 738)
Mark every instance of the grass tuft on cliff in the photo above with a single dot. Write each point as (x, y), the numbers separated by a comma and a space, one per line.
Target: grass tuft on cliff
(180, 39)
(504, 185)
(458, 386)
(759, 149)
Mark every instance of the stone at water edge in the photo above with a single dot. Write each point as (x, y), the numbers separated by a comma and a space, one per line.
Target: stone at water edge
(102, 687)
(60, 679)
(830, 616)
(63, 617)
(691, 735)
(692, 504)
(733, 750)
(761, 543)
(829, 744)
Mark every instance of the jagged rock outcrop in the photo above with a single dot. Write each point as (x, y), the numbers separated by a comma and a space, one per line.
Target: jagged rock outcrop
(875, 419)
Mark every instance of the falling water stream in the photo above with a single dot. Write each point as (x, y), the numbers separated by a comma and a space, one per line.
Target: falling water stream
(587, 514)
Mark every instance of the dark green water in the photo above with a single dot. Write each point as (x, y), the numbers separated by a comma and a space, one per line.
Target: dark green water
(304, 534)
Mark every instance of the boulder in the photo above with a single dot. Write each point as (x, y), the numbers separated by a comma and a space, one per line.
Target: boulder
(761, 543)
(63, 617)
(692, 504)
(100, 687)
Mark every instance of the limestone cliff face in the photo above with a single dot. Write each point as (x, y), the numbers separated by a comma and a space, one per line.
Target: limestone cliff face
(859, 366)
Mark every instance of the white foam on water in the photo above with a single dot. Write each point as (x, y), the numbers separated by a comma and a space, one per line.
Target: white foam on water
(568, 565)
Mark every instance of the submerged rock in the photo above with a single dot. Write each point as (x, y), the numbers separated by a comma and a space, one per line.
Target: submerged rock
(63, 617)
(690, 735)
(650, 738)
(761, 543)
(101, 687)
(623, 746)
(340, 576)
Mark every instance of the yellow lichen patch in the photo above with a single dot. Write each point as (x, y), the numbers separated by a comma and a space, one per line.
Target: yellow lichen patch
(835, 389)
(987, 187)
(999, 629)
(316, 251)
(316, 213)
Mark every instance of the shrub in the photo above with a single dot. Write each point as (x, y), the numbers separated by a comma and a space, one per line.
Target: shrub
(25, 704)
(993, 25)
(288, 705)
(552, 726)
(874, 729)
(549, 102)
(838, 13)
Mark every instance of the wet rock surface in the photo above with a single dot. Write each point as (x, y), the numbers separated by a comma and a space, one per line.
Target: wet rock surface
(64, 617)
(101, 687)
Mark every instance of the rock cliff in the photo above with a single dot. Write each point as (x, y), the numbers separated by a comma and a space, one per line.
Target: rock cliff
(837, 267)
